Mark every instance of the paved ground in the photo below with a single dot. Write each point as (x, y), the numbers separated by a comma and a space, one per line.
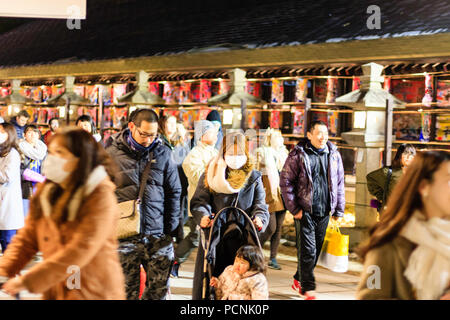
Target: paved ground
(330, 285)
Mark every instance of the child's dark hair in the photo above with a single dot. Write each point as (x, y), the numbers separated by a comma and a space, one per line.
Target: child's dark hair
(254, 256)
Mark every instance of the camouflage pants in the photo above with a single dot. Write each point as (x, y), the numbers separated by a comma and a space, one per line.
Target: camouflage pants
(156, 256)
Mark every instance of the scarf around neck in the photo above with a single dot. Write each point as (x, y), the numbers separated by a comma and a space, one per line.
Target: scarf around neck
(97, 176)
(136, 146)
(219, 183)
(428, 267)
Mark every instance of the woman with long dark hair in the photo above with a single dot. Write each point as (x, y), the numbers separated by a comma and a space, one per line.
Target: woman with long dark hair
(381, 182)
(11, 207)
(408, 253)
(72, 221)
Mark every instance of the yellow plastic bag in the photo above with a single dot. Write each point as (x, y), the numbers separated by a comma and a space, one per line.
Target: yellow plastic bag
(334, 254)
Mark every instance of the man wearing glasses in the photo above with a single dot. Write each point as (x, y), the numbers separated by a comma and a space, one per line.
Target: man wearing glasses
(132, 148)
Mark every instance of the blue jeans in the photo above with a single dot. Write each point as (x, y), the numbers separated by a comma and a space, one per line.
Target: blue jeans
(5, 238)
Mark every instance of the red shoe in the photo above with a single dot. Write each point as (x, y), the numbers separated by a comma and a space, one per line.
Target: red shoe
(308, 295)
(296, 286)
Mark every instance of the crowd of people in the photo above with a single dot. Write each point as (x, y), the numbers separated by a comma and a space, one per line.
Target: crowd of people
(60, 196)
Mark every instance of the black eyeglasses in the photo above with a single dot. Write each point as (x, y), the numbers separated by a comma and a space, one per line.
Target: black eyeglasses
(146, 135)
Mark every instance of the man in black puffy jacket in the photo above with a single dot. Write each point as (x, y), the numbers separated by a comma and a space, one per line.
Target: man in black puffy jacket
(160, 208)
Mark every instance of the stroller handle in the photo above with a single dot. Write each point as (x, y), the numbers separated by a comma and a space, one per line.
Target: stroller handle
(218, 215)
(206, 245)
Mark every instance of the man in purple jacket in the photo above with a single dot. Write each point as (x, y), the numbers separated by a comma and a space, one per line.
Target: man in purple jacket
(312, 185)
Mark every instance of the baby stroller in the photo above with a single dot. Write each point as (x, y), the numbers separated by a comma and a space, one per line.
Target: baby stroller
(231, 228)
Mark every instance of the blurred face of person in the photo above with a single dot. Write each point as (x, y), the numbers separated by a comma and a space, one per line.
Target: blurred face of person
(171, 126)
(145, 134)
(276, 140)
(3, 135)
(54, 125)
(240, 265)
(22, 121)
(181, 130)
(318, 136)
(407, 159)
(31, 136)
(68, 161)
(210, 137)
(85, 125)
(436, 193)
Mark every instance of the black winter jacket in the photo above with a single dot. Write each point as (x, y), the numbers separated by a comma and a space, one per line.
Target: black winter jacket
(160, 209)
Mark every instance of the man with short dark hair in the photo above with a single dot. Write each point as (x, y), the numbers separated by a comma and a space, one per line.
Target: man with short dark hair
(19, 122)
(160, 207)
(312, 185)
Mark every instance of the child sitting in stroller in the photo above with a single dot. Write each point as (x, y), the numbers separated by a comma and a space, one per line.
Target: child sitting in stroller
(245, 279)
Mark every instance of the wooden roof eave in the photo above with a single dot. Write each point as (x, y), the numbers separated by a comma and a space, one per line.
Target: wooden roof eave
(358, 51)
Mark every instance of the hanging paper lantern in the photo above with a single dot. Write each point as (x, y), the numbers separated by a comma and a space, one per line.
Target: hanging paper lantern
(277, 91)
(356, 83)
(298, 122)
(443, 128)
(253, 88)
(205, 91)
(333, 121)
(169, 93)
(425, 132)
(301, 90)
(185, 92)
(153, 87)
(331, 90)
(275, 119)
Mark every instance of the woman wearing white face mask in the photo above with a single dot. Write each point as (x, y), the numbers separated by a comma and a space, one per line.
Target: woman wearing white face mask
(11, 209)
(270, 160)
(73, 222)
(228, 176)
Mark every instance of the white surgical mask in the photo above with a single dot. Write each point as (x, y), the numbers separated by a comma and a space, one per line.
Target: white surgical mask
(52, 169)
(235, 162)
(3, 137)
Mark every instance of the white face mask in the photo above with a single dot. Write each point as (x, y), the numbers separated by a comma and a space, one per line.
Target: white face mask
(3, 137)
(52, 169)
(235, 162)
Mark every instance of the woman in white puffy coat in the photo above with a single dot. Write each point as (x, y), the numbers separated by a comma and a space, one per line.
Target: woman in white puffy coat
(270, 160)
(11, 210)
(194, 166)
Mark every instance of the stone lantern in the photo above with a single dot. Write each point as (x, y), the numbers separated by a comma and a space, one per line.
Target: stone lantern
(237, 96)
(68, 98)
(141, 95)
(372, 130)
